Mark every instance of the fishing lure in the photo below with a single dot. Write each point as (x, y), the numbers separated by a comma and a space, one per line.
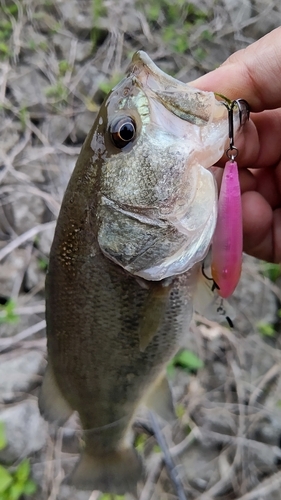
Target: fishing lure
(227, 243)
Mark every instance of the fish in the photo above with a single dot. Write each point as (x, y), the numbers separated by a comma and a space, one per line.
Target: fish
(136, 221)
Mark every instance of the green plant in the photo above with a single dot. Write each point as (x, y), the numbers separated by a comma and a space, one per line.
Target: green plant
(7, 312)
(200, 53)
(108, 496)
(10, 10)
(175, 20)
(58, 91)
(4, 49)
(98, 11)
(180, 411)
(140, 442)
(185, 360)
(107, 85)
(24, 117)
(3, 440)
(271, 271)
(63, 67)
(43, 263)
(17, 482)
(7, 12)
(266, 329)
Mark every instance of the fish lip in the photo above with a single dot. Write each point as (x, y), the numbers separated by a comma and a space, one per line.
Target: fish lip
(149, 75)
(142, 65)
(186, 102)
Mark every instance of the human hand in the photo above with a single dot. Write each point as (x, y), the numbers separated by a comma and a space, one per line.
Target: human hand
(254, 74)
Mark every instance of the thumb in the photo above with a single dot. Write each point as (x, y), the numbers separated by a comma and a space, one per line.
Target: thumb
(252, 73)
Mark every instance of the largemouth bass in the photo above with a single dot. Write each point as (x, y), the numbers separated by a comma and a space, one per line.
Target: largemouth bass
(137, 219)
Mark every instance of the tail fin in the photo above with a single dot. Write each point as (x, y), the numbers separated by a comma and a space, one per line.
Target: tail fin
(117, 472)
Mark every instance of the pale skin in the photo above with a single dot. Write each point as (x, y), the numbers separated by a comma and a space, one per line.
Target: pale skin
(254, 74)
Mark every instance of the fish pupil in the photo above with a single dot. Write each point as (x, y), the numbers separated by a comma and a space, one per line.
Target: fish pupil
(127, 132)
(123, 131)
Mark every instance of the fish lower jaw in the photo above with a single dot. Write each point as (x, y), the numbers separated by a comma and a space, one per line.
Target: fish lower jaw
(180, 262)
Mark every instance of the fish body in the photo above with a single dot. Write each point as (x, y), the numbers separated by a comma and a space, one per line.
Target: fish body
(137, 218)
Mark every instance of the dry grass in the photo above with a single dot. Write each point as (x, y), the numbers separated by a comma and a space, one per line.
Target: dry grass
(237, 394)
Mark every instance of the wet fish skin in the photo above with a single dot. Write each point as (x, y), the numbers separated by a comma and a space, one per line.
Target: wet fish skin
(110, 331)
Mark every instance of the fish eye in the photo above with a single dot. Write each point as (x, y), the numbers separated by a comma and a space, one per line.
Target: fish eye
(122, 131)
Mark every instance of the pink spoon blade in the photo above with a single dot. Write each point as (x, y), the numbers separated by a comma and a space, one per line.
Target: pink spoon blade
(228, 239)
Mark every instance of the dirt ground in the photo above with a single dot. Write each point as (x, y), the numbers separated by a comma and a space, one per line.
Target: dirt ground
(58, 60)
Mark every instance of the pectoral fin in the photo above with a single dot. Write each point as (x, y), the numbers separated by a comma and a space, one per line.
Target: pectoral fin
(154, 311)
(160, 400)
(52, 404)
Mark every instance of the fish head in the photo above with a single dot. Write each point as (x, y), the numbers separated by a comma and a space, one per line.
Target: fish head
(155, 139)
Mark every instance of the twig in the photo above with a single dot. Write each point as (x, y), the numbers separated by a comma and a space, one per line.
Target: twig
(35, 309)
(179, 448)
(151, 481)
(53, 204)
(24, 237)
(57, 480)
(263, 489)
(268, 379)
(167, 457)
(94, 495)
(28, 332)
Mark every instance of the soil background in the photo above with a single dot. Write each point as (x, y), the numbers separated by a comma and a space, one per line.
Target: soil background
(58, 60)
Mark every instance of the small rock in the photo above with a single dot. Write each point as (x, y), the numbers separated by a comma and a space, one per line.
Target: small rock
(45, 22)
(83, 51)
(57, 128)
(58, 175)
(32, 39)
(34, 276)
(27, 211)
(63, 43)
(253, 300)
(83, 124)
(89, 81)
(267, 16)
(25, 430)
(9, 136)
(77, 15)
(200, 466)
(10, 268)
(23, 371)
(66, 492)
(28, 85)
(239, 12)
(31, 162)
(45, 239)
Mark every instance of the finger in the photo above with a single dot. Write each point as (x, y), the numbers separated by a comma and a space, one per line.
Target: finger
(257, 226)
(268, 186)
(252, 73)
(259, 141)
(277, 235)
(248, 181)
